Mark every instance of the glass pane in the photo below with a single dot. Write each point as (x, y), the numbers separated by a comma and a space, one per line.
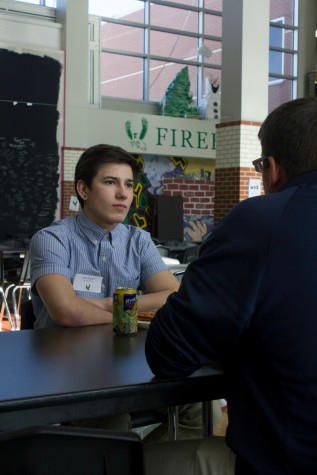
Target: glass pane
(210, 4)
(162, 74)
(288, 64)
(34, 2)
(280, 93)
(284, 8)
(213, 25)
(276, 36)
(213, 52)
(214, 5)
(284, 61)
(173, 46)
(50, 3)
(176, 18)
(288, 39)
(121, 37)
(276, 62)
(116, 9)
(121, 76)
(192, 3)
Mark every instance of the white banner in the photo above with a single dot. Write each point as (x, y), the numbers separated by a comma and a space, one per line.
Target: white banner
(153, 134)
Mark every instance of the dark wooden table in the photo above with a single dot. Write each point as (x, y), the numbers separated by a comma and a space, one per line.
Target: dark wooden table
(55, 375)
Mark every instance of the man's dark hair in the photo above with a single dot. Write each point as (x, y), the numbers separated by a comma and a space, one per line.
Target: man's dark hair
(90, 161)
(289, 134)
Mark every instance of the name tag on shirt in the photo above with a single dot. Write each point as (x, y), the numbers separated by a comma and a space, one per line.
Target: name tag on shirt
(87, 283)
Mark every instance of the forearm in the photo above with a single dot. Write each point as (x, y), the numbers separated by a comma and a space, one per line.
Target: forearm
(81, 312)
(68, 309)
(147, 302)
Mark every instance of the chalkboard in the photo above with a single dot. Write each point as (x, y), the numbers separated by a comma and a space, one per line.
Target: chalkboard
(29, 150)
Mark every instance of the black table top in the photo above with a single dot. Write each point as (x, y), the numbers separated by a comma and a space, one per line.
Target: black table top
(59, 374)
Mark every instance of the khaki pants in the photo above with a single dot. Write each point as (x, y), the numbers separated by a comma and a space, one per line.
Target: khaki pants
(189, 423)
(189, 457)
(189, 427)
(121, 422)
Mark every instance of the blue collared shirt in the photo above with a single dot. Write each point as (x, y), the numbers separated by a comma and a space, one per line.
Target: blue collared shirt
(123, 257)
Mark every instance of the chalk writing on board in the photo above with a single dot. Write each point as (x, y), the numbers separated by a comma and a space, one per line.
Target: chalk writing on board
(29, 152)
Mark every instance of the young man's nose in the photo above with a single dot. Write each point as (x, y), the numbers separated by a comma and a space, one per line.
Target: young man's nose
(122, 191)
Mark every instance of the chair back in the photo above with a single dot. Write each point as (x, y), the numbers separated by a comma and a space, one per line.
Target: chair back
(179, 274)
(163, 250)
(1, 268)
(191, 253)
(27, 315)
(25, 276)
(67, 450)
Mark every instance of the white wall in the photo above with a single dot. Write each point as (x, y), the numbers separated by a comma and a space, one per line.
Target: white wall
(29, 32)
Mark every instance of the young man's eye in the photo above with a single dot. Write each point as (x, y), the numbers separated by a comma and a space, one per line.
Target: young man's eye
(109, 182)
(130, 185)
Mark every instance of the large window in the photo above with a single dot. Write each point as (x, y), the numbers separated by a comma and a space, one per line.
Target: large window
(44, 3)
(276, 61)
(144, 44)
(283, 52)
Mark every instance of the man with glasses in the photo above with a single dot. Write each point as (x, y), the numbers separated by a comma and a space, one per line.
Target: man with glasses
(250, 302)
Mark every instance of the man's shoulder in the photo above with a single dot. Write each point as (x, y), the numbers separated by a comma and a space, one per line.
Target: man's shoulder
(60, 227)
(261, 205)
(134, 231)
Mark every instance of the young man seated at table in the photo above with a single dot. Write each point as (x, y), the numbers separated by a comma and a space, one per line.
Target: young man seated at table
(250, 302)
(94, 246)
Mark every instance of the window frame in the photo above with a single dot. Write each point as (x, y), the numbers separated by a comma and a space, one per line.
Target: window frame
(278, 78)
(146, 55)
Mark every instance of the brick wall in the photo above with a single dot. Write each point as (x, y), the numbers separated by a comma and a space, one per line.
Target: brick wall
(198, 195)
(67, 191)
(70, 159)
(232, 186)
(237, 146)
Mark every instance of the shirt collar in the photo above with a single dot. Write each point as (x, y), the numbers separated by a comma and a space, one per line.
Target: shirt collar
(96, 233)
(304, 179)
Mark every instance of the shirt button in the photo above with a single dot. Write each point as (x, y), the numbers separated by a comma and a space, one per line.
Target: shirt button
(104, 258)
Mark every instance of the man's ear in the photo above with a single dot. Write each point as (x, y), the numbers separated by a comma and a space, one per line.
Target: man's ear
(277, 175)
(81, 188)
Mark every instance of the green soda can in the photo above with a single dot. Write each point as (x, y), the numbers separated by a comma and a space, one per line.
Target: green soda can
(125, 311)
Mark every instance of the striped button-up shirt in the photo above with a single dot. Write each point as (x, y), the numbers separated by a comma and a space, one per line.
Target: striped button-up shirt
(123, 257)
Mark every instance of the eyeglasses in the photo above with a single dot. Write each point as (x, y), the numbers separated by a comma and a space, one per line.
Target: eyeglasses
(258, 164)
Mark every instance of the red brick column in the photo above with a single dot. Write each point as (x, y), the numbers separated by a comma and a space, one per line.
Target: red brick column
(231, 186)
(237, 146)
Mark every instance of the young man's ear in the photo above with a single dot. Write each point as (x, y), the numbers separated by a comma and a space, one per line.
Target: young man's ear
(81, 188)
(274, 176)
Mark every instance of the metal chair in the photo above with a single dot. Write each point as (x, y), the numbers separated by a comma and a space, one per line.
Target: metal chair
(163, 250)
(191, 253)
(179, 274)
(27, 315)
(4, 289)
(66, 450)
(24, 283)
